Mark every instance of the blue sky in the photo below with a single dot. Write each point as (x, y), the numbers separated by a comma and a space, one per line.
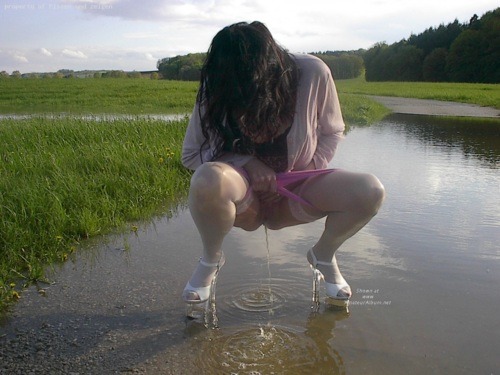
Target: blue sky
(48, 35)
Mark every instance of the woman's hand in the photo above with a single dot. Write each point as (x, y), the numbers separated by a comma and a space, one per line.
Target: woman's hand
(262, 178)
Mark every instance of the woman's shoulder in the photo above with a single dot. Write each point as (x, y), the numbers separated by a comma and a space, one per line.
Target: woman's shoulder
(310, 64)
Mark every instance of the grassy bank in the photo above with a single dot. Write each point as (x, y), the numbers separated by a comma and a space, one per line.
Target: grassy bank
(131, 96)
(144, 96)
(487, 95)
(66, 179)
(106, 95)
(359, 110)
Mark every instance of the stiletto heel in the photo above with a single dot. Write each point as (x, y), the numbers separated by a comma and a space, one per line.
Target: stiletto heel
(332, 290)
(315, 292)
(197, 307)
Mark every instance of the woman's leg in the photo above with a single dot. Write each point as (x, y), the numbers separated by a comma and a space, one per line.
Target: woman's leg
(216, 189)
(351, 200)
(348, 200)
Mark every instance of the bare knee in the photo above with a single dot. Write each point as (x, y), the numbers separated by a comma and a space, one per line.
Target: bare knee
(206, 183)
(372, 194)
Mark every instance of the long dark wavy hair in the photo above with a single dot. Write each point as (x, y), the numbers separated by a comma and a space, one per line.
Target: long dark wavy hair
(248, 88)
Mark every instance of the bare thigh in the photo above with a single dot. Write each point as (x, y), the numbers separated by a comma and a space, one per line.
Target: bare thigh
(338, 191)
(342, 191)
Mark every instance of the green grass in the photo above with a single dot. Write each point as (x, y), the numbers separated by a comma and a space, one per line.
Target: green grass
(487, 95)
(144, 96)
(359, 110)
(106, 95)
(131, 96)
(66, 179)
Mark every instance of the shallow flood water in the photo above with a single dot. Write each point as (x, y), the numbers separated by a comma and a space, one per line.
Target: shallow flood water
(425, 275)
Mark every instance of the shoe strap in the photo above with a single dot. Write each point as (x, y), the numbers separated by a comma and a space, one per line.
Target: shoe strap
(316, 261)
(218, 264)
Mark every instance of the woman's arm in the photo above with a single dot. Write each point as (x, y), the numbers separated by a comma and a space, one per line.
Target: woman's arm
(196, 150)
(330, 122)
(193, 141)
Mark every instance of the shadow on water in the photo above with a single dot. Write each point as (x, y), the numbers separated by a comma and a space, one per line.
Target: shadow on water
(476, 137)
(424, 275)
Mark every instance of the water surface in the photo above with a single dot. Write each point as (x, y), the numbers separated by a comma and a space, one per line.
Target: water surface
(424, 272)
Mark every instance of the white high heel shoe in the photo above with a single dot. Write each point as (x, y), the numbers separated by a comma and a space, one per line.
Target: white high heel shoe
(332, 290)
(202, 292)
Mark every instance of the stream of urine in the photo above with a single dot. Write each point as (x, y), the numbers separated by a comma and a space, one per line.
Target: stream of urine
(271, 297)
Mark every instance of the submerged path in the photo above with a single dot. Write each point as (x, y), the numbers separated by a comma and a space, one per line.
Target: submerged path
(435, 107)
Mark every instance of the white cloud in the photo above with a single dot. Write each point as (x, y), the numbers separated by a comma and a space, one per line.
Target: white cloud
(141, 35)
(20, 58)
(150, 57)
(90, 4)
(179, 11)
(97, 58)
(133, 35)
(45, 52)
(74, 54)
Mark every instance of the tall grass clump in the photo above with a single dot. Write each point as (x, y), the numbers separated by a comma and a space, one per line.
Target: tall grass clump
(65, 179)
(359, 110)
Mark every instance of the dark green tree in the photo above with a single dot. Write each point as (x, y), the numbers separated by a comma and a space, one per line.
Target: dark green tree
(489, 26)
(434, 66)
(464, 59)
(471, 52)
(440, 37)
(405, 63)
(344, 65)
(398, 62)
(375, 59)
(185, 68)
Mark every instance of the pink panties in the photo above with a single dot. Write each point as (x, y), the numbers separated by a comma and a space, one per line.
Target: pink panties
(295, 201)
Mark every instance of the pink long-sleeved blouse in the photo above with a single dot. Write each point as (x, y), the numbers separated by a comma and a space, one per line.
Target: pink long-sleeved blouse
(316, 130)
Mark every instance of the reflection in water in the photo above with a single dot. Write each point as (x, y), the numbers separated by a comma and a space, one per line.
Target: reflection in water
(477, 138)
(272, 349)
(320, 328)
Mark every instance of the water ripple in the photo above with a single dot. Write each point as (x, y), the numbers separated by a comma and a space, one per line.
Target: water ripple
(266, 350)
(267, 297)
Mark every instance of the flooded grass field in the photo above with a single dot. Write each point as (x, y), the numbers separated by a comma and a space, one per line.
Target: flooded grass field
(425, 275)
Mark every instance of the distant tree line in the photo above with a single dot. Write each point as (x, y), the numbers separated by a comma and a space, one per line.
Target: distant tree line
(343, 65)
(67, 73)
(188, 68)
(455, 52)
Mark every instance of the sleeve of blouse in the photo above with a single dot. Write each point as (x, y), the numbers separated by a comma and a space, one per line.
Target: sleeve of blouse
(193, 153)
(195, 150)
(330, 122)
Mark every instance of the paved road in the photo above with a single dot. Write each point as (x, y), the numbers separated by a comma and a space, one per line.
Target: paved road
(435, 107)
